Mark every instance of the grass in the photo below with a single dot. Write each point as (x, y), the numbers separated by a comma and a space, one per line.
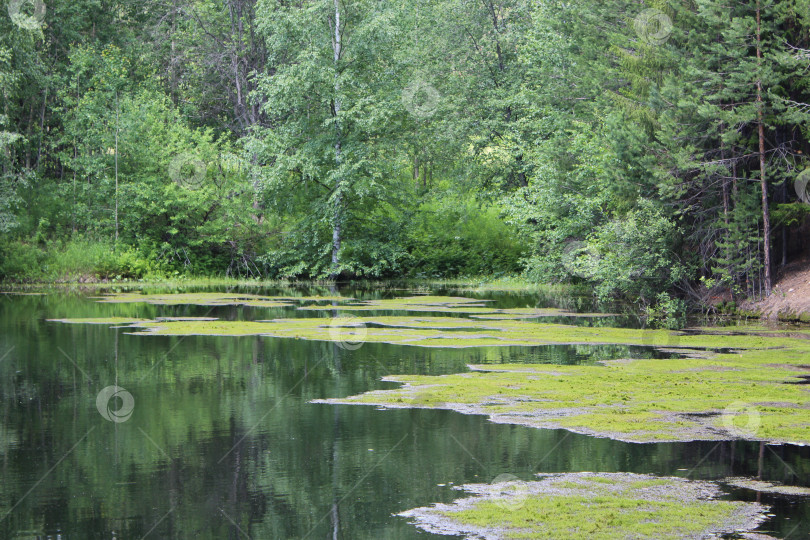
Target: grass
(83, 259)
(164, 282)
(508, 283)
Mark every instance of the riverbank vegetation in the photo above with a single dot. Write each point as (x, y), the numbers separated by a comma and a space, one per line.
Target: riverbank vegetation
(652, 152)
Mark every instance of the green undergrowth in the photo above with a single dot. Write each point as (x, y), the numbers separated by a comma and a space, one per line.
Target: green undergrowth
(587, 505)
(513, 284)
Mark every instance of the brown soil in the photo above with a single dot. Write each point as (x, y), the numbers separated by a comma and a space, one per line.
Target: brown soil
(791, 293)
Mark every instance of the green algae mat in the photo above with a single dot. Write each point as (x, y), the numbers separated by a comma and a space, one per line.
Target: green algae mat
(593, 506)
(744, 383)
(422, 303)
(211, 299)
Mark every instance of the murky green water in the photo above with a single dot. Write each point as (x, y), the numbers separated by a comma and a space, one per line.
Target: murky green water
(222, 441)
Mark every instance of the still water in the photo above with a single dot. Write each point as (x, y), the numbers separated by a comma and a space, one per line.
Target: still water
(223, 441)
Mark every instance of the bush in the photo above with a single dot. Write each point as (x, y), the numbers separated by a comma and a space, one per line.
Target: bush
(72, 259)
(20, 261)
(455, 238)
(634, 256)
(667, 312)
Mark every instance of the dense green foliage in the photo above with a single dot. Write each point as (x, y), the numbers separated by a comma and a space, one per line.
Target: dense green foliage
(606, 143)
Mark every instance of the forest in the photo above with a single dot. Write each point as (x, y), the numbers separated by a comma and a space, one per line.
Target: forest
(654, 151)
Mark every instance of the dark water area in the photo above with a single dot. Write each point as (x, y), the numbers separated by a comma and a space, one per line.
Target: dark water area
(223, 442)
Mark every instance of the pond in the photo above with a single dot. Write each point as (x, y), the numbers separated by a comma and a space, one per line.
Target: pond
(220, 439)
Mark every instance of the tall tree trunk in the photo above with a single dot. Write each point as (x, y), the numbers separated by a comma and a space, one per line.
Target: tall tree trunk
(75, 160)
(766, 219)
(726, 205)
(29, 132)
(116, 168)
(338, 202)
(42, 126)
(173, 57)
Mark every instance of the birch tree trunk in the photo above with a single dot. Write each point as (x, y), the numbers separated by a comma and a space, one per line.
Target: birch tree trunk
(338, 201)
(766, 219)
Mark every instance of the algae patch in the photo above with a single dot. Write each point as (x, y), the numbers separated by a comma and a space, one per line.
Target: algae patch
(427, 304)
(767, 487)
(101, 320)
(743, 391)
(732, 396)
(599, 506)
(450, 304)
(427, 331)
(213, 299)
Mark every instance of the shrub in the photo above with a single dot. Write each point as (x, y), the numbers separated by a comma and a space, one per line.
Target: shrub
(456, 238)
(20, 261)
(634, 256)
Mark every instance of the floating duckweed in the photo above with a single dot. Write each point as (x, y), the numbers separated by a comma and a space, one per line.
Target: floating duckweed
(693, 397)
(596, 506)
